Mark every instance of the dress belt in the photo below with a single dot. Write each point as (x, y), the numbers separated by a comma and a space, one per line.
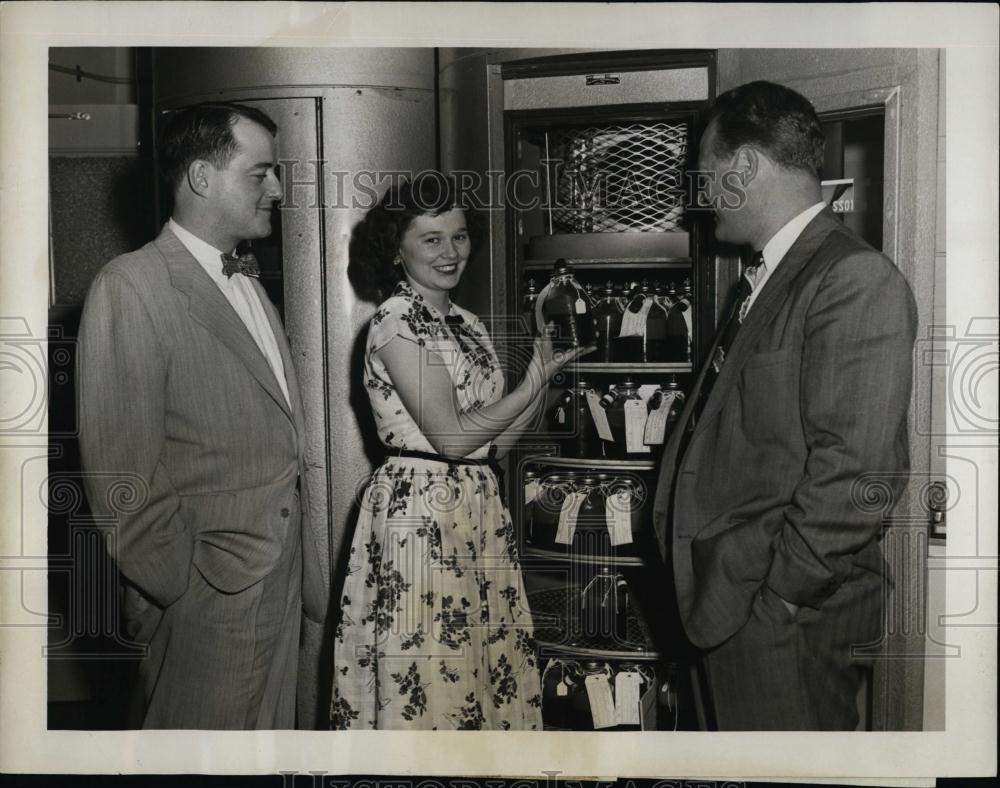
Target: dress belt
(491, 462)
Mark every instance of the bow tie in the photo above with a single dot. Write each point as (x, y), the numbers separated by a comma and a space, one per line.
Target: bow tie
(245, 264)
(454, 320)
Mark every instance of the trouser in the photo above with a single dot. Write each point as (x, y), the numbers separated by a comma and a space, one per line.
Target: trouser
(221, 661)
(801, 671)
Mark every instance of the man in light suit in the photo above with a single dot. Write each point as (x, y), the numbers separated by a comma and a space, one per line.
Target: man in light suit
(192, 437)
(776, 561)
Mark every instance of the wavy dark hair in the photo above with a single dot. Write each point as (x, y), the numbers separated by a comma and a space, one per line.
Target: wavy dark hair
(375, 241)
(772, 117)
(203, 131)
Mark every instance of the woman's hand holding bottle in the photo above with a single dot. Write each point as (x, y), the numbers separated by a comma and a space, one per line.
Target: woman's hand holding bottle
(547, 360)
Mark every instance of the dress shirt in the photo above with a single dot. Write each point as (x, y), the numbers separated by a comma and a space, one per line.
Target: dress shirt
(775, 250)
(240, 293)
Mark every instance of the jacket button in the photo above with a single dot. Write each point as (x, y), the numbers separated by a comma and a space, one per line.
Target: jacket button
(284, 512)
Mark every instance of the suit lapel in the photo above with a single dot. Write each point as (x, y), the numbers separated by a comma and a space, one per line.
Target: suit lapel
(209, 307)
(291, 379)
(768, 302)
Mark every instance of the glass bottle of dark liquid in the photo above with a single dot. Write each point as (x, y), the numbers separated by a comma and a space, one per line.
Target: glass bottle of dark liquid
(679, 327)
(673, 387)
(528, 307)
(582, 718)
(567, 306)
(572, 423)
(608, 313)
(614, 403)
(559, 686)
(671, 392)
(642, 316)
(655, 349)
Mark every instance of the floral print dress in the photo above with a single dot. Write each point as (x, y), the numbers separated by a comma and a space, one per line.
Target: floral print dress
(435, 631)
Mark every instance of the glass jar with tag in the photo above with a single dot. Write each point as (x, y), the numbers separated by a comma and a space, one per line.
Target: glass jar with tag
(561, 681)
(626, 498)
(583, 702)
(630, 713)
(553, 489)
(614, 404)
(643, 319)
(591, 538)
(565, 304)
(664, 409)
(679, 327)
(608, 314)
(673, 390)
(572, 423)
(655, 348)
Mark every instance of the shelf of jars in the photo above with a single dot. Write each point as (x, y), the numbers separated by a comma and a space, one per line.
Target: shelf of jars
(638, 369)
(553, 555)
(609, 627)
(618, 263)
(634, 324)
(633, 694)
(592, 463)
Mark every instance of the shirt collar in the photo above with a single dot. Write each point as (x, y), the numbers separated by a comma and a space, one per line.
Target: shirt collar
(774, 251)
(403, 288)
(207, 255)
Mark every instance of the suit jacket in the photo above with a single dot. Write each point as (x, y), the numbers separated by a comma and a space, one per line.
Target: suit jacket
(190, 446)
(810, 403)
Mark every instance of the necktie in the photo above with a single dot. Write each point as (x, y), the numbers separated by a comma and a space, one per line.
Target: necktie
(754, 273)
(245, 264)
(751, 276)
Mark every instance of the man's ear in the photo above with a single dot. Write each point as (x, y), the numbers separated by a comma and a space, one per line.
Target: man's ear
(747, 163)
(199, 177)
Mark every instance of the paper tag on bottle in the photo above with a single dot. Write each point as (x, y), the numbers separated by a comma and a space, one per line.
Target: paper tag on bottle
(627, 687)
(646, 391)
(561, 415)
(618, 511)
(567, 517)
(600, 416)
(580, 306)
(634, 323)
(686, 314)
(531, 491)
(656, 423)
(602, 704)
(561, 689)
(635, 426)
(647, 707)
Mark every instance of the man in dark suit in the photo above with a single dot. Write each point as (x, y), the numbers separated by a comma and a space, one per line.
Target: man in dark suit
(777, 564)
(192, 436)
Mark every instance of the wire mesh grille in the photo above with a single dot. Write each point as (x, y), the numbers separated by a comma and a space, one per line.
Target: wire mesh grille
(617, 178)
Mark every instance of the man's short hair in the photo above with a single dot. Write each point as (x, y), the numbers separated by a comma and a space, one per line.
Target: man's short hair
(773, 118)
(203, 131)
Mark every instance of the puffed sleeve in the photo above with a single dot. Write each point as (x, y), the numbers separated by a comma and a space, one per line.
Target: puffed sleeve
(400, 317)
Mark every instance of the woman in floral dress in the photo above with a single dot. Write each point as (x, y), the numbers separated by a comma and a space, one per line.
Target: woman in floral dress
(435, 630)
